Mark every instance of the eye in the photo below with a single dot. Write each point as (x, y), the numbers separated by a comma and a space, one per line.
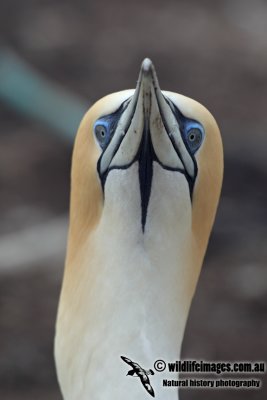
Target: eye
(105, 126)
(101, 130)
(194, 137)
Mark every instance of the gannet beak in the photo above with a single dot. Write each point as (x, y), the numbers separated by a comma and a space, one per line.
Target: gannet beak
(147, 117)
(147, 132)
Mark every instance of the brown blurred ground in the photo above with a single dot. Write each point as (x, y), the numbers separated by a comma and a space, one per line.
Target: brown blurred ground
(215, 52)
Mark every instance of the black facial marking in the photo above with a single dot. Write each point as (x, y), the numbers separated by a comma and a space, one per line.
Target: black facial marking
(146, 157)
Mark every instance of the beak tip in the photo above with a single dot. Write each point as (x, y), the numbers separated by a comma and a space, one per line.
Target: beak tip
(147, 66)
(148, 74)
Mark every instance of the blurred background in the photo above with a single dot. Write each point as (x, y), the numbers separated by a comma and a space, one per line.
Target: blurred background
(58, 57)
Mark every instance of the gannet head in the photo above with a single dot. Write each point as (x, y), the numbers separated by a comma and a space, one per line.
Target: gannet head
(146, 160)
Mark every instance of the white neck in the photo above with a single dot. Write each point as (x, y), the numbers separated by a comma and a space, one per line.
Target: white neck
(135, 294)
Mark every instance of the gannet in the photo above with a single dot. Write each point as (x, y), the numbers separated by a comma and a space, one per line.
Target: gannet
(146, 179)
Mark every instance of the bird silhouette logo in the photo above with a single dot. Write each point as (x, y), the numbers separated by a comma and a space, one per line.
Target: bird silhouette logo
(140, 373)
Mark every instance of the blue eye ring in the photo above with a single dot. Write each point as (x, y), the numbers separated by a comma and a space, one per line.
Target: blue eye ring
(101, 131)
(194, 135)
